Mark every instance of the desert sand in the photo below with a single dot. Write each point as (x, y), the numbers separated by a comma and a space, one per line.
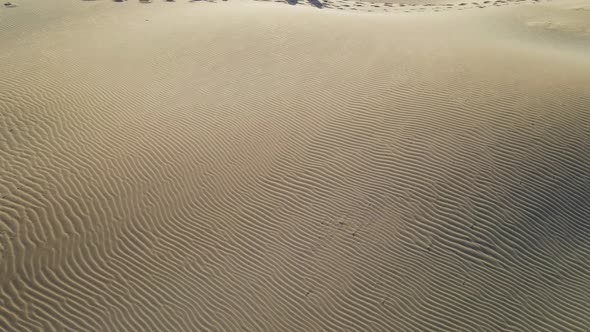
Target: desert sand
(258, 166)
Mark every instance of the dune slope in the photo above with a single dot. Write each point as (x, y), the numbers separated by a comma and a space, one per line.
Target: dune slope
(249, 166)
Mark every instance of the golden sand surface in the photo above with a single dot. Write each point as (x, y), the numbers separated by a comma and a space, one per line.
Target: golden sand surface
(255, 166)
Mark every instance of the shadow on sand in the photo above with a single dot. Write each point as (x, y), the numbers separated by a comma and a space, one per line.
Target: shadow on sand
(316, 3)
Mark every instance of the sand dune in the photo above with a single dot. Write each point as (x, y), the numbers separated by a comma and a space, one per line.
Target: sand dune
(252, 166)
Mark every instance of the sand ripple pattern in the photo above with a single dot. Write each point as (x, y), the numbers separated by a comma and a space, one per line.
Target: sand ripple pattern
(264, 175)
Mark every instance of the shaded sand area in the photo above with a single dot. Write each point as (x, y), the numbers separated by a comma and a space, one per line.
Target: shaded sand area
(253, 166)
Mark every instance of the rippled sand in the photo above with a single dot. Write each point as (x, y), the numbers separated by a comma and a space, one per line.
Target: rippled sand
(255, 166)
